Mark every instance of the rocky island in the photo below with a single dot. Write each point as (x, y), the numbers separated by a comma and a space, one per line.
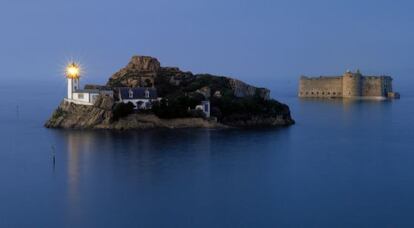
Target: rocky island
(146, 95)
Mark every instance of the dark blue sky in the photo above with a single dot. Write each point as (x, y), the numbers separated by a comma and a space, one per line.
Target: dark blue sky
(268, 43)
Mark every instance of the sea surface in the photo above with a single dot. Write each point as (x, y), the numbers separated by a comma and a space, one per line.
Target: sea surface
(343, 164)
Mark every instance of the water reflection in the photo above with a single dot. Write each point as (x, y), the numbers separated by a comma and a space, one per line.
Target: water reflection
(153, 157)
(143, 152)
(350, 111)
(343, 162)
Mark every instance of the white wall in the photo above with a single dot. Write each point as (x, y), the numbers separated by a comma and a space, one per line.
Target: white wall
(83, 97)
(135, 101)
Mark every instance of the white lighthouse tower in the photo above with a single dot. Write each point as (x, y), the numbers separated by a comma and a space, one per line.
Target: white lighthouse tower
(72, 74)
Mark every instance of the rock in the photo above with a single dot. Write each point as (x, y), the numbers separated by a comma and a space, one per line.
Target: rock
(140, 72)
(70, 115)
(144, 63)
(104, 102)
(259, 121)
(242, 89)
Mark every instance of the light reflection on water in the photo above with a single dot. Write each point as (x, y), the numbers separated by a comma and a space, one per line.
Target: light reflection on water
(343, 163)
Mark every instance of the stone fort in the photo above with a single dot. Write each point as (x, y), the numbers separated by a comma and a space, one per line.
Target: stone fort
(348, 85)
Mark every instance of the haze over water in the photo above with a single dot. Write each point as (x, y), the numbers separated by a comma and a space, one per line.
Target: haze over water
(343, 164)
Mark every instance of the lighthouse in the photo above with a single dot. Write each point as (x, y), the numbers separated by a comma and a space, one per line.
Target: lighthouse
(79, 96)
(72, 74)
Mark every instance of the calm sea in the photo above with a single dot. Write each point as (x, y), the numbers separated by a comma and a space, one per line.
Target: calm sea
(344, 164)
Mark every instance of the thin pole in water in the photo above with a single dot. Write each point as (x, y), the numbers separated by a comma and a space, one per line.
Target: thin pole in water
(53, 156)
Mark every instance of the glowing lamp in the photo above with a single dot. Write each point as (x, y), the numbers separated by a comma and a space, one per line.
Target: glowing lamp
(73, 71)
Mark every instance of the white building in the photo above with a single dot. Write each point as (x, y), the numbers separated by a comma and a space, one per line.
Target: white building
(142, 98)
(205, 107)
(85, 96)
(75, 94)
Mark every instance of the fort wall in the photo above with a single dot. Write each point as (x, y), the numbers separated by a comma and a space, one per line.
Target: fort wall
(320, 87)
(348, 85)
(372, 87)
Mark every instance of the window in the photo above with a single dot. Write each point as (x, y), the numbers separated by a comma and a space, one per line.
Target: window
(131, 94)
(80, 96)
(147, 94)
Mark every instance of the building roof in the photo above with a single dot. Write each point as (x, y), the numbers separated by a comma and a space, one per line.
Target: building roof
(87, 91)
(98, 87)
(137, 93)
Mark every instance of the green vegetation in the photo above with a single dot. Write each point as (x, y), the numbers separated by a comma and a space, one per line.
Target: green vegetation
(229, 109)
(121, 110)
(181, 92)
(176, 106)
(179, 101)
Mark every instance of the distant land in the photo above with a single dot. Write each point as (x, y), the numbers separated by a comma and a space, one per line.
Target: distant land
(146, 95)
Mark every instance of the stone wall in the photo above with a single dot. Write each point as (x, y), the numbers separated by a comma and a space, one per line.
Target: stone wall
(372, 87)
(352, 84)
(348, 85)
(320, 87)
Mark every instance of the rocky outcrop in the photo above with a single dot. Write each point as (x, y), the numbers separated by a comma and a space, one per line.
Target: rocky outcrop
(100, 116)
(144, 63)
(70, 115)
(242, 89)
(144, 71)
(147, 121)
(255, 121)
(140, 71)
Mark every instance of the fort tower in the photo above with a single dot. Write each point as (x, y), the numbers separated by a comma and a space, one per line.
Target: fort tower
(351, 84)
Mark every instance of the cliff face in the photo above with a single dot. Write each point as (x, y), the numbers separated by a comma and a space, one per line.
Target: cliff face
(70, 115)
(241, 89)
(233, 102)
(100, 116)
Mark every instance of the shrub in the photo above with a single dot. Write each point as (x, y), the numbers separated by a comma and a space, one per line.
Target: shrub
(197, 113)
(231, 108)
(121, 110)
(176, 106)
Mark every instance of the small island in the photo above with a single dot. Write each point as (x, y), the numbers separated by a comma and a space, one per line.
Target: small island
(146, 95)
